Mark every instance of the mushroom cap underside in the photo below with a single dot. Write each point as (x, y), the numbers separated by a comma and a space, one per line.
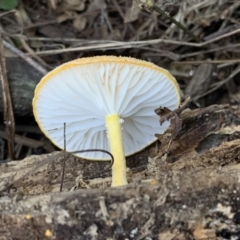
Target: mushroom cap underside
(81, 93)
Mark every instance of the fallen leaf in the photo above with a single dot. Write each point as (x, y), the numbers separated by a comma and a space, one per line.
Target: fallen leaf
(96, 5)
(80, 22)
(66, 16)
(76, 5)
(132, 14)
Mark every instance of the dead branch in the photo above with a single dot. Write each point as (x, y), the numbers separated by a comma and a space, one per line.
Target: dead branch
(7, 103)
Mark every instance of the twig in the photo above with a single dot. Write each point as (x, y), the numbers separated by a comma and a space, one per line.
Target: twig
(32, 143)
(219, 84)
(24, 57)
(18, 148)
(160, 52)
(30, 51)
(24, 128)
(178, 24)
(231, 8)
(105, 15)
(220, 32)
(208, 61)
(7, 103)
(98, 150)
(133, 44)
(191, 54)
(115, 3)
(5, 13)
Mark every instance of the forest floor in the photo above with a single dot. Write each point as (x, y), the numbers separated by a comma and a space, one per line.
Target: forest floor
(201, 51)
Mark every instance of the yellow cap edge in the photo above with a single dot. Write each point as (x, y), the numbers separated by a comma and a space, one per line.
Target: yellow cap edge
(98, 59)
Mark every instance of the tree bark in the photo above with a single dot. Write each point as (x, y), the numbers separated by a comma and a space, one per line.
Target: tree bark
(200, 205)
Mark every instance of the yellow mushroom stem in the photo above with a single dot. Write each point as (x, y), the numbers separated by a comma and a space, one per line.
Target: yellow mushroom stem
(114, 132)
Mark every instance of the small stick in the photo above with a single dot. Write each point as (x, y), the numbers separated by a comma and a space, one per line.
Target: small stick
(103, 45)
(7, 103)
(24, 57)
(32, 143)
(150, 5)
(178, 24)
(98, 150)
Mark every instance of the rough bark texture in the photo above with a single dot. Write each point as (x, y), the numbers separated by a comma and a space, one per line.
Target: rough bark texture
(191, 190)
(191, 206)
(22, 80)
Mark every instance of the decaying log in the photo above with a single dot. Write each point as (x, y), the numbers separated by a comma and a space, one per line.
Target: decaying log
(22, 80)
(189, 190)
(201, 205)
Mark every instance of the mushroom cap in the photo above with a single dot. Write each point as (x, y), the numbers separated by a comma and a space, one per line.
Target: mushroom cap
(81, 93)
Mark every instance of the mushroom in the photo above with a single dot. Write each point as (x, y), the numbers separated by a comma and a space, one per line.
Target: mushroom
(106, 102)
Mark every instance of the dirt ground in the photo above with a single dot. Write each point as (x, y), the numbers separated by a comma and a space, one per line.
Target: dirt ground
(184, 186)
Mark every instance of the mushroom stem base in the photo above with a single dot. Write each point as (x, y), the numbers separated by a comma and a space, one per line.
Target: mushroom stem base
(116, 145)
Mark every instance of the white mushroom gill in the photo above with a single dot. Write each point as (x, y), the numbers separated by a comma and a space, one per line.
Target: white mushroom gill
(91, 93)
